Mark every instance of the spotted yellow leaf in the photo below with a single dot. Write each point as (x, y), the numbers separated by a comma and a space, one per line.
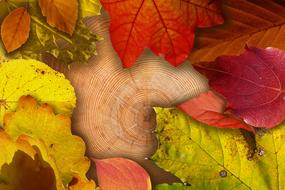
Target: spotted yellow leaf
(41, 124)
(29, 77)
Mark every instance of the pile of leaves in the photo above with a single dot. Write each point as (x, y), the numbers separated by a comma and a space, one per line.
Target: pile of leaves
(230, 137)
(33, 28)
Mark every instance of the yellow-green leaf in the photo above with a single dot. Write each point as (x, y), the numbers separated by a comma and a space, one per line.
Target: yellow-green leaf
(29, 77)
(41, 124)
(175, 186)
(211, 158)
(89, 8)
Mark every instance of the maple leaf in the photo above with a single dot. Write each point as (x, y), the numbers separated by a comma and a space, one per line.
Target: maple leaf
(209, 108)
(121, 174)
(251, 83)
(165, 26)
(51, 134)
(255, 23)
(15, 29)
(212, 158)
(30, 77)
(60, 13)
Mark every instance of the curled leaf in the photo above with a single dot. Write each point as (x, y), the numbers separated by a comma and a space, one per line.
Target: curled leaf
(22, 166)
(121, 174)
(15, 29)
(209, 108)
(41, 124)
(60, 13)
(29, 77)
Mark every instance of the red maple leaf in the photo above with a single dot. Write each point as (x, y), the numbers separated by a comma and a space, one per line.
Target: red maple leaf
(252, 84)
(209, 108)
(165, 26)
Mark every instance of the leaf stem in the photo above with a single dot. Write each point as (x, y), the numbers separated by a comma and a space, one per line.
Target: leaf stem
(36, 20)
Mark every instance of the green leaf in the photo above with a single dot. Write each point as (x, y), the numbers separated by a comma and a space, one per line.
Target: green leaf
(30, 77)
(211, 158)
(89, 8)
(45, 39)
(174, 186)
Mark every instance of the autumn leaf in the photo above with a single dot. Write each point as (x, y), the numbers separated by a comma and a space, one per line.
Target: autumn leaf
(15, 29)
(166, 27)
(252, 84)
(121, 174)
(45, 39)
(175, 186)
(211, 158)
(209, 108)
(23, 167)
(89, 8)
(255, 23)
(60, 13)
(40, 124)
(30, 77)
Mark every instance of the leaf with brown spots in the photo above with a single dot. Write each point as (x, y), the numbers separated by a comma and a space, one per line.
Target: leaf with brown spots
(15, 29)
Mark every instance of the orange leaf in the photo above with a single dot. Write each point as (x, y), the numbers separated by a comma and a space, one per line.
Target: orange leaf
(15, 29)
(121, 174)
(61, 14)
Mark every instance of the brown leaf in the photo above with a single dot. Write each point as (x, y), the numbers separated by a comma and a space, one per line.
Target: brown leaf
(61, 14)
(15, 29)
(258, 23)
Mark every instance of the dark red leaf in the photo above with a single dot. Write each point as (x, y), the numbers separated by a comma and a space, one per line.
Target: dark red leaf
(165, 26)
(252, 83)
(209, 108)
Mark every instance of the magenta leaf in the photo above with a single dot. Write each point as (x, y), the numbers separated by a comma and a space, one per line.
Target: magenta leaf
(252, 84)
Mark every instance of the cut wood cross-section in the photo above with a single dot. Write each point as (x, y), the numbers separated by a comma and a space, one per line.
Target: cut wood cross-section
(114, 112)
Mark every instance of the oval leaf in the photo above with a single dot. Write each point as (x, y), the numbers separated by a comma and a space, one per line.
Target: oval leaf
(15, 29)
(61, 14)
(209, 108)
(252, 83)
(121, 174)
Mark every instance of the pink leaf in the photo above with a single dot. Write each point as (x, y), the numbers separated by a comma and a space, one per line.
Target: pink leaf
(209, 108)
(121, 174)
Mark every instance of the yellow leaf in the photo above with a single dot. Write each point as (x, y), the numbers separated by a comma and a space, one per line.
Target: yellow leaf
(80, 184)
(89, 8)
(30, 77)
(41, 124)
(212, 158)
(22, 166)
(61, 14)
(15, 29)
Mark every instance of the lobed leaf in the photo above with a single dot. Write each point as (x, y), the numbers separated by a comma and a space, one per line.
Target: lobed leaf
(165, 26)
